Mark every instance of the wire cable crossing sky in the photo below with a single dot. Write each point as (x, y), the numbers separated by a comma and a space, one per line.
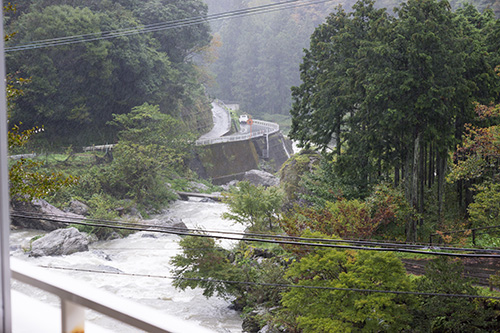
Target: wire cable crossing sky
(181, 23)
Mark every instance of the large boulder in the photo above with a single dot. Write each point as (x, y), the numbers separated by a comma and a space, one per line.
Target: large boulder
(176, 224)
(291, 174)
(258, 177)
(60, 242)
(78, 207)
(39, 214)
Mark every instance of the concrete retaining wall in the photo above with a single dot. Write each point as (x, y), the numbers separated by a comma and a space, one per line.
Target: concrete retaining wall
(223, 162)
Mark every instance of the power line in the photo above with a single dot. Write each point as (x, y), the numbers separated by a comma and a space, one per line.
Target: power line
(195, 20)
(281, 285)
(144, 227)
(327, 243)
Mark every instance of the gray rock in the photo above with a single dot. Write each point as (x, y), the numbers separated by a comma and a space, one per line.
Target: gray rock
(149, 235)
(175, 223)
(78, 207)
(113, 235)
(102, 254)
(266, 329)
(198, 187)
(60, 242)
(170, 222)
(228, 186)
(258, 177)
(134, 212)
(40, 208)
(92, 238)
(109, 269)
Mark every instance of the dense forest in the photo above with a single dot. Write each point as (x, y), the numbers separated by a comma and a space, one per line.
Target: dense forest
(259, 55)
(86, 73)
(75, 88)
(252, 60)
(392, 95)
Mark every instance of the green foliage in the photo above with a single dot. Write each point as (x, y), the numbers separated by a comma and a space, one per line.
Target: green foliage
(345, 311)
(146, 126)
(477, 160)
(77, 87)
(291, 174)
(203, 260)
(392, 210)
(151, 143)
(102, 207)
(447, 314)
(254, 205)
(477, 157)
(485, 210)
(178, 44)
(26, 179)
(384, 214)
(390, 94)
(260, 54)
(152, 148)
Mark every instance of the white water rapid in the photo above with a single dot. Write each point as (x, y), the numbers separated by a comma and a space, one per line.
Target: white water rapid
(142, 253)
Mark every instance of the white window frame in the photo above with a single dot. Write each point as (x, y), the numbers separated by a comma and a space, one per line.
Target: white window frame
(5, 316)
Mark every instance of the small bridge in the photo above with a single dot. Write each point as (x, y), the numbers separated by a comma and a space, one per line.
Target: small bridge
(185, 196)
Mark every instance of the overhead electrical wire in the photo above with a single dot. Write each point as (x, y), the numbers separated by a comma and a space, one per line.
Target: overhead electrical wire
(146, 227)
(281, 285)
(325, 243)
(257, 283)
(195, 20)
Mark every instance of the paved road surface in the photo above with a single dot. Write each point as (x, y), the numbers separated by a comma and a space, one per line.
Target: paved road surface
(222, 126)
(221, 123)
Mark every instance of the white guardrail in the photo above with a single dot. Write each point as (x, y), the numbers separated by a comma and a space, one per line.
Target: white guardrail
(76, 297)
(272, 128)
(99, 147)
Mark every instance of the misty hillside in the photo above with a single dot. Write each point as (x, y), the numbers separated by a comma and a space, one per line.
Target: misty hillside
(259, 55)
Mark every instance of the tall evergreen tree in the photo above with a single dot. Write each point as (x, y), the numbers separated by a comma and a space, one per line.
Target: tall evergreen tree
(393, 93)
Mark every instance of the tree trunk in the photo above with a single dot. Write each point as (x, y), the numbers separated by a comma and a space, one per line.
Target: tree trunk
(421, 184)
(412, 235)
(426, 165)
(396, 175)
(441, 168)
(431, 166)
(460, 192)
(469, 197)
(338, 143)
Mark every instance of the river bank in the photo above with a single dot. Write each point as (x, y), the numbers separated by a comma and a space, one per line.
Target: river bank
(142, 253)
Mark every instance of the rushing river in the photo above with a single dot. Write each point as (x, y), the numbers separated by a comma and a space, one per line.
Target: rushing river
(142, 253)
